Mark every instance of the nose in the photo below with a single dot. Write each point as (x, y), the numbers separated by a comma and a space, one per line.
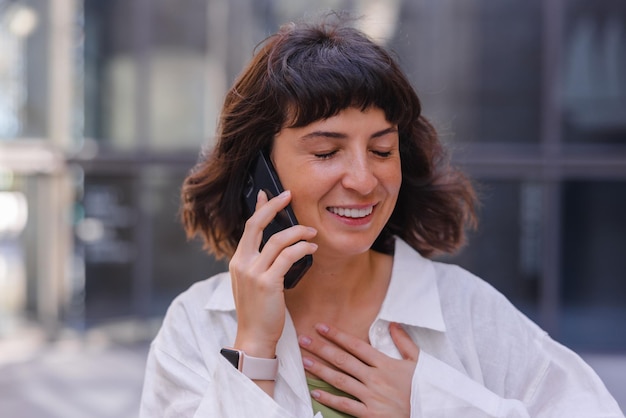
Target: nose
(359, 175)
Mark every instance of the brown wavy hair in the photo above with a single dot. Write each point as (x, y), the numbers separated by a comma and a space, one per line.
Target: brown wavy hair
(308, 72)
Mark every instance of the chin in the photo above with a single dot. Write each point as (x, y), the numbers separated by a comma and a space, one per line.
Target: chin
(349, 246)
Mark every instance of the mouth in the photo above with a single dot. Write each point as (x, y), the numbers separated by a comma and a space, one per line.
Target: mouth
(354, 213)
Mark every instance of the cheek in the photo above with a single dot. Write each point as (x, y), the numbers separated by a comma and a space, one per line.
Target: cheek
(308, 189)
(309, 179)
(305, 205)
(392, 179)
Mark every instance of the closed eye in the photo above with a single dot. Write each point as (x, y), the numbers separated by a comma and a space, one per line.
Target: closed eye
(326, 155)
(383, 154)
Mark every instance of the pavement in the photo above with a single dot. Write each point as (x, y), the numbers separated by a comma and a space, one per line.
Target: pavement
(99, 373)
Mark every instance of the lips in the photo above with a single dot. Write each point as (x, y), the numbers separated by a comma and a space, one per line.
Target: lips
(352, 212)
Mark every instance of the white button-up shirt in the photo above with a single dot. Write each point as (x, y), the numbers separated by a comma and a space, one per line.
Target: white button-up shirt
(479, 356)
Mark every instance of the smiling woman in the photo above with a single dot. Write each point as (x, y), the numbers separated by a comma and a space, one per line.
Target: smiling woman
(312, 74)
(374, 328)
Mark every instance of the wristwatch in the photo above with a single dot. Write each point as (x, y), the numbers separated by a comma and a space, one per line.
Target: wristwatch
(254, 367)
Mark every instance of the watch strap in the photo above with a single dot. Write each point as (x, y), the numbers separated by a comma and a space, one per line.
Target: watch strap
(255, 368)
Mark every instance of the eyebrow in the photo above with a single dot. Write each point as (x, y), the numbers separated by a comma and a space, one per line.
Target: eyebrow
(340, 135)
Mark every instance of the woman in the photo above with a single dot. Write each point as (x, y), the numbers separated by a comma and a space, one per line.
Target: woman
(374, 328)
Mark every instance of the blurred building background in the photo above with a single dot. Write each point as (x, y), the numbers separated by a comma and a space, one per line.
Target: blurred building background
(105, 104)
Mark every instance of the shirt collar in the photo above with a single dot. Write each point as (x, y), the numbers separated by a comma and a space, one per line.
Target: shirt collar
(221, 299)
(412, 297)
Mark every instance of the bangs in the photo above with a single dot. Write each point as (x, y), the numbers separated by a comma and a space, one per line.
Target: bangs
(325, 74)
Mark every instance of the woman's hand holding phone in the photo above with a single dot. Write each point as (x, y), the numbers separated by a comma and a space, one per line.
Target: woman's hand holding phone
(257, 276)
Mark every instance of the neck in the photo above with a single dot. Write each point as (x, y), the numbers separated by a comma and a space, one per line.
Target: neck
(333, 286)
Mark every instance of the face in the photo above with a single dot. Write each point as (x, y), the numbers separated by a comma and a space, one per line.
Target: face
(344, 175)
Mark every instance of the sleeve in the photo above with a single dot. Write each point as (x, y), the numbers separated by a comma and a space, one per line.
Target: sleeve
(172, 389)
(569, 387)
(513, 368)
(187, 377)
(564, 387)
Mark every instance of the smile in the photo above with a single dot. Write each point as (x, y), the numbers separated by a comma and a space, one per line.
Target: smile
(352, 212)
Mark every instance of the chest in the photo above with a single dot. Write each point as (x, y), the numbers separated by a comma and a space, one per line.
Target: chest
(357, 326)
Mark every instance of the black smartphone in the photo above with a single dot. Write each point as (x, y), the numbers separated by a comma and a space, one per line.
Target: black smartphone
(262, 176)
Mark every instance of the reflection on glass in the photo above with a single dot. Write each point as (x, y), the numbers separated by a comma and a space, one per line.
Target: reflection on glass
(594, 97)
(156, 77)
(18, 21)
(593, 285)
(175, 263)
(109, 72)
(506, 249)
(13, 214)
(476, 65)
(132, 256)
(105, 233)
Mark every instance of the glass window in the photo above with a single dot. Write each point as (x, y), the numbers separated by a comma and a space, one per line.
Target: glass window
(110, 78)
(175, 263)
(476, 65)
(23, 69)
(132, 247)
(593, 285)
(158, 75)
(505, 250)
(156, 71)
(106, 236)
(594, 71)
(16, 226)
(182, 93)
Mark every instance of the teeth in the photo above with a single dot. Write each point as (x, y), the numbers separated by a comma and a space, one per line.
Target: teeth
(352, 213)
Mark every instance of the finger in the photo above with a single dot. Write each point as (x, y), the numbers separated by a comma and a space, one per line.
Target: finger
(287, 256)
(265, 212)
(353, 345)
(352, 407)
(335, 378)
(406, 346)
(261, 199)
(334, 355)
(282, 241)
(270, 266)
(339, 359)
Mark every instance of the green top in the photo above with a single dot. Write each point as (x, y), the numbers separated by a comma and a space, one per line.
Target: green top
(326, 411)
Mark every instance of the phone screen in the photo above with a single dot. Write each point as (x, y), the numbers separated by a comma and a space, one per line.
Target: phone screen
(262, 176)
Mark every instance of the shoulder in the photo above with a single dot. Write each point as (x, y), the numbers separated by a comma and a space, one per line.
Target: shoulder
(510, 354)
(199, 294)
(487, 326)
(194, 312)
(456, 279)
(464, 294)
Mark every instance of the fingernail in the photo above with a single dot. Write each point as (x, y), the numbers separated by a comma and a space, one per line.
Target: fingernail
(307, 362)
(284, 194)
(315, 394)
(397, 326)
(304, 340)
(323, 328)
(312, 230)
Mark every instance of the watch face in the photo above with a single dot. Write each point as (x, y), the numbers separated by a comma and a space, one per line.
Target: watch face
(232, 356)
